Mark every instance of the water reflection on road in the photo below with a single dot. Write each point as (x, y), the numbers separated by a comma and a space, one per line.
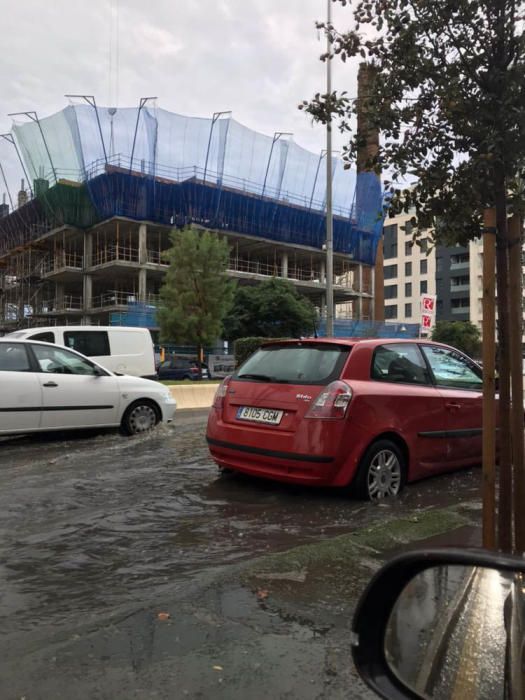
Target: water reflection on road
(96, 526)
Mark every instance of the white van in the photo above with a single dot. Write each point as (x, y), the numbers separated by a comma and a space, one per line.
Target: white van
(121, 349)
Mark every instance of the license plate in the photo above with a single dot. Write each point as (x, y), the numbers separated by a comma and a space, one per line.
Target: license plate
(270, 416)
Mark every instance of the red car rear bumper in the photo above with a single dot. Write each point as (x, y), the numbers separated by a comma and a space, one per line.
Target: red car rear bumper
(272, 464)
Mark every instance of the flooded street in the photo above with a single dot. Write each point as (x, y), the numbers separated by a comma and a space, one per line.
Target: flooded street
(100, 533)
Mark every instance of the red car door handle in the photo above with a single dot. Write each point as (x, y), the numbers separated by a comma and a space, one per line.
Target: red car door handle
(50, 384)
(453, 405)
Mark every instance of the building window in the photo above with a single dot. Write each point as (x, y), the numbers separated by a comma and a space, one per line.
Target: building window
(390, 312)
(462, 281)
(391, 291)
(390, 241)
(390, 272)
(459, 259)
(408, 247)
(408, 289)
(423, 243)
(423, 286)
(423, 267)
(408, 310)
(462, 303)
(408, 269)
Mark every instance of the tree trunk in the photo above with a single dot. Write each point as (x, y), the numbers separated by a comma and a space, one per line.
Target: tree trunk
(505, 502)
(489, 414)
(516, 365)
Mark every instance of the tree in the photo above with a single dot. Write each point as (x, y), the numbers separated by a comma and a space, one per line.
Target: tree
(462, 335)
(448, 100)
(271, 309)
(196, 294)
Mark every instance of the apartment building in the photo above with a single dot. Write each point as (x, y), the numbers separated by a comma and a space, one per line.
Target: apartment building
(409, 270)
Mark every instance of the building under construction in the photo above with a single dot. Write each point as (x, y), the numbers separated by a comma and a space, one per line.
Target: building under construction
(104, 188)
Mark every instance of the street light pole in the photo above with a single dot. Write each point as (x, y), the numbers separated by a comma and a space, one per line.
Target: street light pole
(329, 214)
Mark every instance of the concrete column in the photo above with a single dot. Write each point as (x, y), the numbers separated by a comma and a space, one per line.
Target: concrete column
(284, 265)
(360, 290)
(59, 295)
(323, 272)
(88, 250)
(143, 246)
(372, 304)
(143, 277)
(88, 292)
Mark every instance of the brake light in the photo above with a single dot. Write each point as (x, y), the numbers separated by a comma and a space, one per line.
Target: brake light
(332, 402)
(218, 400)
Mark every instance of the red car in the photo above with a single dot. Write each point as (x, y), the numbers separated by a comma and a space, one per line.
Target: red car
(373, 414)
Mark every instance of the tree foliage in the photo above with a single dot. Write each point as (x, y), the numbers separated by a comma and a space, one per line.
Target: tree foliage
(271, 309)
(196, 294)
(448, 100)
(462, 335)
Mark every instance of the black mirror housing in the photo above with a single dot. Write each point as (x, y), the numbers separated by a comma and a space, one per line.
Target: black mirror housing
(380, 597)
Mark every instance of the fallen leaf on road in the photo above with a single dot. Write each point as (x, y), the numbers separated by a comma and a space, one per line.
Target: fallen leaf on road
(163, 616)
(262, 594)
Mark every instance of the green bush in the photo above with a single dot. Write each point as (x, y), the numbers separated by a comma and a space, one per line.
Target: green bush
(244, 347)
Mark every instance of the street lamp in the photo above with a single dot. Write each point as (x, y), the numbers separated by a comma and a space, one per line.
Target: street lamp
(329, 213)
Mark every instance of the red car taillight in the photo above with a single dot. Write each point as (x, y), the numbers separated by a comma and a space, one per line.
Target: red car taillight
(218, 400)
(332, 402)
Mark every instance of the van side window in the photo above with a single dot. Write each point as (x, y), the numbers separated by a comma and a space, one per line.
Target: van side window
(89, 343)
(46, 337)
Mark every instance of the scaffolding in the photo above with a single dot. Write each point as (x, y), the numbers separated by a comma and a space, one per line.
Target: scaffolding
(90, 238)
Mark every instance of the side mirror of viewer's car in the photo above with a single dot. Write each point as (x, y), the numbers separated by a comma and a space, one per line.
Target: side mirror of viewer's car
(444, 623)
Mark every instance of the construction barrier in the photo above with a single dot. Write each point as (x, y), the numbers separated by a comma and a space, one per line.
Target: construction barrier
(195, 395)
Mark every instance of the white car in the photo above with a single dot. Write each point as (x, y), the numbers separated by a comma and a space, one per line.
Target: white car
(46, 387)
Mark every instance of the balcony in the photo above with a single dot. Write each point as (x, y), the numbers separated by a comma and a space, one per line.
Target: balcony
(62, 265)
(255, 267)
(117, 299)
(155, 257)
(67, 303)
(115, 254)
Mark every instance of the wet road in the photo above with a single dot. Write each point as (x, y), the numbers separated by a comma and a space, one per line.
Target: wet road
(97, 528)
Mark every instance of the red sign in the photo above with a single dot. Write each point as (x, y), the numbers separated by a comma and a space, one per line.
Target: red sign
(426, 321)
(428, 304)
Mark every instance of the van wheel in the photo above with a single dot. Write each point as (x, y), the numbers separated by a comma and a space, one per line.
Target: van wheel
(140, 417)
(382, 472)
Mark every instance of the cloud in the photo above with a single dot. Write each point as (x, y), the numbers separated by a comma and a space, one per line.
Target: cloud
(257, 58)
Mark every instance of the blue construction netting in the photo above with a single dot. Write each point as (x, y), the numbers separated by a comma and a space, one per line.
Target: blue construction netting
(138, 314)
(150, 164)
(352, 328)
(121, 194)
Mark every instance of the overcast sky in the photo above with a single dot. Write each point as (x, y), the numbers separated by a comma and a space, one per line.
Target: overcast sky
(258, 58)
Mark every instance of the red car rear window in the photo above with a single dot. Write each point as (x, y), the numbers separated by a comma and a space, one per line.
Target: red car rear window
(300, 363)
